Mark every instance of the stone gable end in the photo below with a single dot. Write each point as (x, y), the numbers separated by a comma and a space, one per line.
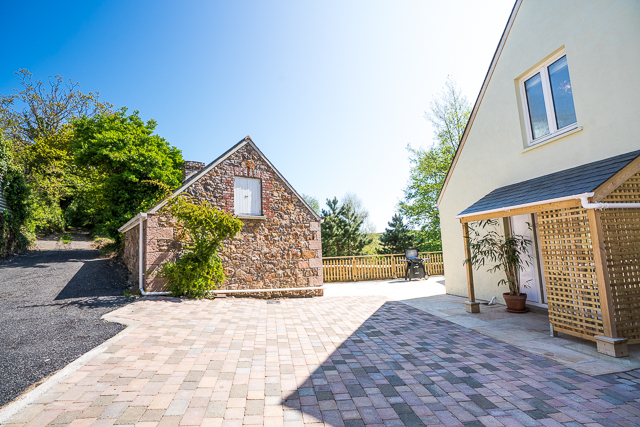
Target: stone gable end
(280, 249)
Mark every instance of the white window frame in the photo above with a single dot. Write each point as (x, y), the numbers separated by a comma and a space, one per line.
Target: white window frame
(235, 197)
(548, 102)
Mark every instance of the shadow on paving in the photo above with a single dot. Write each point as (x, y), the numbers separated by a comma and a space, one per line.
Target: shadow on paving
(51, 303)
(404, 366)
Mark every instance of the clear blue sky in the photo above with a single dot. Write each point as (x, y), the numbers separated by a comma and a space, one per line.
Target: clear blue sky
(331, 91)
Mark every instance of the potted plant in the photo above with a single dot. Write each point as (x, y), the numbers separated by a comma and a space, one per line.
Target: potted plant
(504, 252)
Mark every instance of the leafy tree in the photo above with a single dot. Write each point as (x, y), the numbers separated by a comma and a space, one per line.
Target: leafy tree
(341, 234)
(38, 111)
(36, 119)
(354, 203)
(397, 238)
(449, 115)
(313, 202)
(13, 235)
(199, 268)
(123, 154)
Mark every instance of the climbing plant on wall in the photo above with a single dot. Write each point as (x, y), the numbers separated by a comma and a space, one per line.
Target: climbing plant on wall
(198, 268)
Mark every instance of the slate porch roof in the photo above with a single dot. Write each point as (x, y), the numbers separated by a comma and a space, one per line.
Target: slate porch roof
(568, 182)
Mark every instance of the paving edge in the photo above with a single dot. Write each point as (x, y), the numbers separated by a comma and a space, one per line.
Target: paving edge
(12, 408)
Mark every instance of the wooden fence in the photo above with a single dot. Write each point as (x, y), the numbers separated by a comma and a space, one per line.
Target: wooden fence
(374, 267)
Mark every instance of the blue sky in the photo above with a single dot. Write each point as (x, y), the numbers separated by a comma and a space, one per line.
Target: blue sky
(331, 91)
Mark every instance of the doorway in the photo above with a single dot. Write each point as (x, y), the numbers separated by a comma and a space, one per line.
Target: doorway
(531, 278)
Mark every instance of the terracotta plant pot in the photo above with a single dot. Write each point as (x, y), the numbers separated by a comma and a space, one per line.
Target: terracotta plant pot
(515, 304)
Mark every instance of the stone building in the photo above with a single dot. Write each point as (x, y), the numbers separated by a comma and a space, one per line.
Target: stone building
(279, 246)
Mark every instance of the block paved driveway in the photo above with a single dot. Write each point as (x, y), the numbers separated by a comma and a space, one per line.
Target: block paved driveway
(341, 361)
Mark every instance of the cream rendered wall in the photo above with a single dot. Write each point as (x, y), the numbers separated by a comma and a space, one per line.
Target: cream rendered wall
(602, 42)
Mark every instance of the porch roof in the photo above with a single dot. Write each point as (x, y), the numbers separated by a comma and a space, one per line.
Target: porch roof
(569, 182)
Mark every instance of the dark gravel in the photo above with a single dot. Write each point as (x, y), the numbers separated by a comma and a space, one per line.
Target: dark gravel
(50, 308)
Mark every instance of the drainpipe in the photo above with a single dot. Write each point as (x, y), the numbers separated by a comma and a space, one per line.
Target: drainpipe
(587, 205)
(142, 217)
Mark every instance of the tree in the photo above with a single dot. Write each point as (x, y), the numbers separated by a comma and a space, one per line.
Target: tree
(124, 155)
(449, 114)
(354, 203)
(13, 235)
(39, 111)
(36, 119)
(341, 234)
(397, 238)
(313, 202)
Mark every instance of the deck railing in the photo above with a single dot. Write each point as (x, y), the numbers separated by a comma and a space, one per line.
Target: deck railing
(374, 267)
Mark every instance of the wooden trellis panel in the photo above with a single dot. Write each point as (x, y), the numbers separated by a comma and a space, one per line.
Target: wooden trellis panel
(569, 270)
(621, 231)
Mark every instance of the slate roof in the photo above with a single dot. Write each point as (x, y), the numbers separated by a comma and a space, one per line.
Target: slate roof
(568, 182)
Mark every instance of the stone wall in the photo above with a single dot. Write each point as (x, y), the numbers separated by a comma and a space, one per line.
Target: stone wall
(281, 249)
(132, 249)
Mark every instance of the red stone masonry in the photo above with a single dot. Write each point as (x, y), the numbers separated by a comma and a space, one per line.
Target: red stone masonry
(281, 249)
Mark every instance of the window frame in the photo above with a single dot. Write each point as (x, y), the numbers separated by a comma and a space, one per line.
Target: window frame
(554, 131)
(235, 206)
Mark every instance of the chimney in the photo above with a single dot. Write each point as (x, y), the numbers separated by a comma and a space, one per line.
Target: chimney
(189, 168)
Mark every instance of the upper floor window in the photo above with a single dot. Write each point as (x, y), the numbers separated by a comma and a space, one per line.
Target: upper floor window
(548, 100)
(247, 194)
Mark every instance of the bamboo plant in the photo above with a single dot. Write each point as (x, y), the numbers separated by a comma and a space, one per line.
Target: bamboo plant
(504, 252)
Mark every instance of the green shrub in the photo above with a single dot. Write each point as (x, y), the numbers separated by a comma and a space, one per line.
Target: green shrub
(13, 235)
(198, 269)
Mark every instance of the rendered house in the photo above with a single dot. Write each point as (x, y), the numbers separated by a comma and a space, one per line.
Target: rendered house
(279, 246)
(552, 141)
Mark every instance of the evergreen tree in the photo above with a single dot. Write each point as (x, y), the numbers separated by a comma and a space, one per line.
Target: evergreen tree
(341, 234)
(397, 238)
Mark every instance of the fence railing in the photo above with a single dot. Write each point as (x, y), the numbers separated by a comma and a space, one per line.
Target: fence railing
(374, 267)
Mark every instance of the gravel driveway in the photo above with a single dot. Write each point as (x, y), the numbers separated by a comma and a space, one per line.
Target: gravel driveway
(50, 308)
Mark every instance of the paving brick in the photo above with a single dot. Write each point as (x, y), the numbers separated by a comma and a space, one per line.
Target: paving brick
(341, 361)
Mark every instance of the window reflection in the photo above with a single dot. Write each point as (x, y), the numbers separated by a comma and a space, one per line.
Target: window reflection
(562, 93)
(537, 110)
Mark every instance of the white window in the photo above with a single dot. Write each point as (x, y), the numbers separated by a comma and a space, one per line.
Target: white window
(547, 96)
(247, 196)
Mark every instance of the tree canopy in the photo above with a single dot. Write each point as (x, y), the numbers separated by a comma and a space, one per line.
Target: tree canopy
(397, 237)
(449, 114)
(341, 230)
(123, 154)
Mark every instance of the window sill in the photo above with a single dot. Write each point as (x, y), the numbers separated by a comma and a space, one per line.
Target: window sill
(553, 138)
(258, 217)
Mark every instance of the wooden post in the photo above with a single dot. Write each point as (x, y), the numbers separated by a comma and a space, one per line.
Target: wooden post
(472, 306)
(353, 269)
(609, 343)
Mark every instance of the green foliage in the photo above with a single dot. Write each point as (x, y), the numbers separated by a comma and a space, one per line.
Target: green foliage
(427, 240)
(397, 238)
(37, 111)
(121, 152)
(507, 253)
(341, 233)
(199, 268)
(66, 238)
(449, 115)
(13, 235)
(373, 247)
(313, 202)
(36, 120)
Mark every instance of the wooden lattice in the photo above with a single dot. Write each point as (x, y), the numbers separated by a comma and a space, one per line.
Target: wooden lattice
(621, 232)
(569, 270)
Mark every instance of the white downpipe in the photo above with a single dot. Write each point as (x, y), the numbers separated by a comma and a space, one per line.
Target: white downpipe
(587, 205)
(142, 216)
